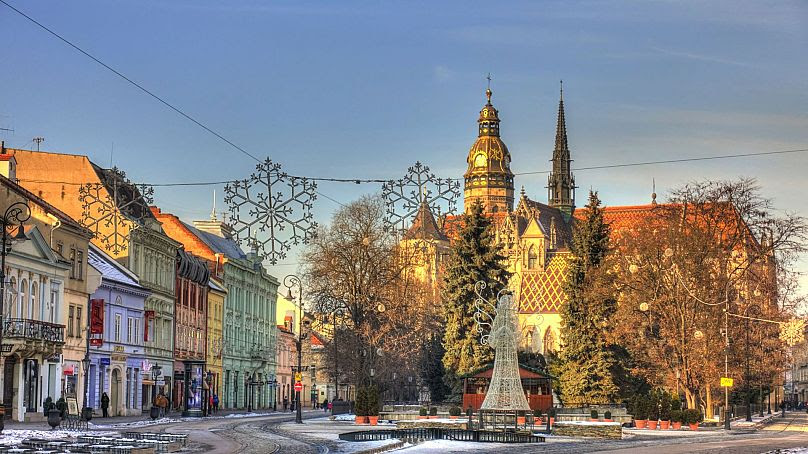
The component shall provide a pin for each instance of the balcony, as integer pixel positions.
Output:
(262, 354)
(28, 337)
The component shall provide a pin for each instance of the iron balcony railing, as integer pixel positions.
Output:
(23, 328)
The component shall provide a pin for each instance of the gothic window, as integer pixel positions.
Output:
(532, 258)
(549, 341)
(527, 340)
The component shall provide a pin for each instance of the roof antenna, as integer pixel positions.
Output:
(653, 191)
(38, 140)
(111, 151)
(213, 211)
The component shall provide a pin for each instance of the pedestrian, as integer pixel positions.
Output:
(162, 403)
(215, 403)
(325, 405)
(285, 403)
(210, 404)
(105, 404)
(330, 406)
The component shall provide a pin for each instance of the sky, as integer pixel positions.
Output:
(365, 89)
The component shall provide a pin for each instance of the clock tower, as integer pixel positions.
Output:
(489, 178)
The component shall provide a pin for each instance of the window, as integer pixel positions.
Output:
(79, 322)
(117, 327)
(130, 329)
(549, 341)
(70, 321)
(72, 263)
(136, 337)
(32, 301)
(54, 303)
(22, 298)
(80, 265)
(59, 248)
(150, 329)
(532, 258)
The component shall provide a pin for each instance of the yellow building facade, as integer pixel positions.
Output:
(217, 293)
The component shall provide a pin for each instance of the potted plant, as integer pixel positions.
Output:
(664, 412)
(154, 412)
(520, 418)
(61, 405)
(422, 413)
(537, 415)
(54, 417)
(676, 419)
(640, 412)
(693, 417)
(551, 413)
(47, 405)
(454, 412)
(433, 412)
(653, 414)
(87, 413)
(373, 405)
(593, 415)
(361, 407)
(607, 416)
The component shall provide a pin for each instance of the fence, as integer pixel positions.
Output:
(438, 433)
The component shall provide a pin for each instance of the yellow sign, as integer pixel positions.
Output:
(726, 382)
(298, 376)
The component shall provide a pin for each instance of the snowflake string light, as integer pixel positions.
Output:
(792, 332)
(271, 200)
(114, 209)
(404, 197)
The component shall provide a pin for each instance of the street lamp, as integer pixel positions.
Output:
(16, 213)
(750, 308)
(294, 281)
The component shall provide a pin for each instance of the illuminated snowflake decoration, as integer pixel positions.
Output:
(112, 211)
(792, 332)
(404, 197)
(271, 211)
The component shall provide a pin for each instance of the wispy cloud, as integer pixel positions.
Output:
(699, 57)
(442, 73)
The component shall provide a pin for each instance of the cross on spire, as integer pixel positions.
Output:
(488, 90)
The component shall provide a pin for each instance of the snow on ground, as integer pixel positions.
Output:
(156, 422)
(803, 450)
(451, 446)
(590, 423)
(345, 417)
(16, 436)
(441, 420)
(348, 447)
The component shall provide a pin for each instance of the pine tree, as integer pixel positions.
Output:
(432, 370)
(475, 257)
(587, 360)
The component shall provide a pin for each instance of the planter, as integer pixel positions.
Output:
(694, 426)
(433, 417)
(676, 425)
(54, 418)
(423, 417)
(608, 420)
(594, 420)
(87, 413)
(453, 417)
(652, 425)
(664, 425)
(552, 421)
(373, 420)
(361, 420)
(154, 412)
(640, 423)
(520, 420)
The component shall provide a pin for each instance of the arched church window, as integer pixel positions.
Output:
(553, 234)
(532, 258)
(479, 160)
(22, 299)
(549, 341)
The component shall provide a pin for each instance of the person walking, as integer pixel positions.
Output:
(325, 405)
(105, 405)
(215, 403)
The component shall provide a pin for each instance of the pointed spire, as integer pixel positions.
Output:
(653, 191)
(561, 183)
(561, 145)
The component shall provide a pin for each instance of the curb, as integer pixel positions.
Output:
(385, 448)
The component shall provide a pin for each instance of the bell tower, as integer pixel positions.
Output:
(561, 183)
(488, 178)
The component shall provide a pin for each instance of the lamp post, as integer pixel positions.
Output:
(294, 281)
(16, 213)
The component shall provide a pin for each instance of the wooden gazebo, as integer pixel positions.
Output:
(537, 386)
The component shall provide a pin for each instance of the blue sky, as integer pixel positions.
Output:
(364, 89)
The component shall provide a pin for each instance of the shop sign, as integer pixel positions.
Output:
(119, 358)
(146, 366)
(119, 348)
(104, 361)
(69, 369)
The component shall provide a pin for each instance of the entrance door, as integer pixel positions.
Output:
(114, 384)
(8, 385)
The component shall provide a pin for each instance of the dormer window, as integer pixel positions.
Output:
(532, 258)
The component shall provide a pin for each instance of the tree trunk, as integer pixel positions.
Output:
(691, 401)
(709, 409)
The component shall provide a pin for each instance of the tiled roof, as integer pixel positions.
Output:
(47, 207)
(110, 269)
(424, 226)
(225, 246)
(544, 291)
(626, 217)
(548, 216)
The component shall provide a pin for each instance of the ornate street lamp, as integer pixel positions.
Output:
(294, 281)
(16, 213)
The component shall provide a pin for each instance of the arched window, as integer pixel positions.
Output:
(549, 341)
(23, 297)
(532, 258)
(33, 301)
(527, 340)
(11, 297)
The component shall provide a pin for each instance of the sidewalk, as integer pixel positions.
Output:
(756, 423)
(132, 421)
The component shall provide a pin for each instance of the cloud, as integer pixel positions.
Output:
(699, 57)
(442, 73)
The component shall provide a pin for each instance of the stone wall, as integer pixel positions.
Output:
(594, 429)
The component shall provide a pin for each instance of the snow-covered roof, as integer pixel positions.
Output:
(109, 268)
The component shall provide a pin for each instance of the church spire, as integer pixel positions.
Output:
(561, 183)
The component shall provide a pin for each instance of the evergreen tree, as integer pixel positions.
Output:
(587, 361)
(432, 370)
(474, 257)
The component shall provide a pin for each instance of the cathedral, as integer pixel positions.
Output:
(534, 236)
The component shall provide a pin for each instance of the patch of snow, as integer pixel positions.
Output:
(16, 436)
(446, 446)
(164, 420)
(349, 447)
(440, 420)
(803, 450)
(589, 423)
(241, 415)
(345, 417)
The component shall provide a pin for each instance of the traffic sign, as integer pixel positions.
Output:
(726, 382)
(298, 377)
(298, 386)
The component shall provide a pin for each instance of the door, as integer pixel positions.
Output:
(8, 385)
(114, 384)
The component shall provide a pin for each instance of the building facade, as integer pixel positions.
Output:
(216, 297)
(117, 357)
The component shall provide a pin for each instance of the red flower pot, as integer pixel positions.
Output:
(373, 420)
(433, 417)
(361, 419)
(608, 420)
(423, 417)
(640, 423)
(664, 425)
(452, 417)
(520, 420)
(652, 425)
(676, 425)
(694, 426)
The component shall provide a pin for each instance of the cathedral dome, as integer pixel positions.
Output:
(489, 164)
